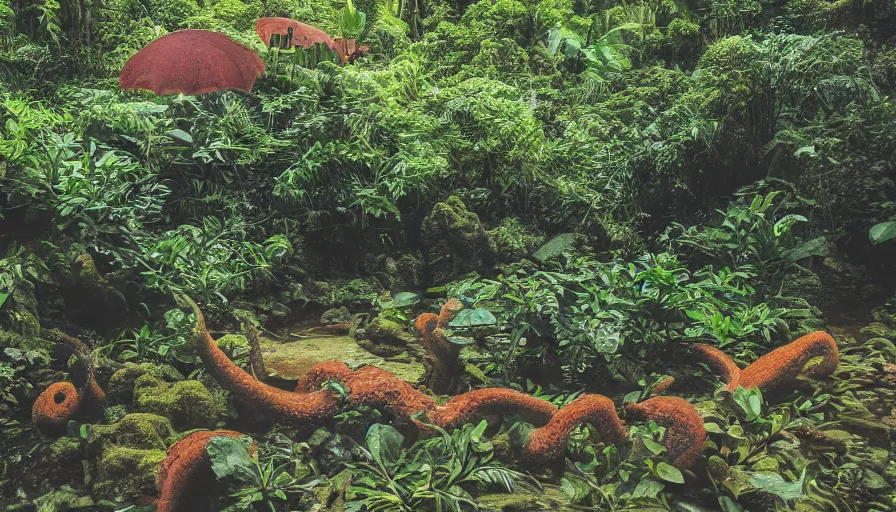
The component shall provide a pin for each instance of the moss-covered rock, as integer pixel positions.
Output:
(123, 458)
(383, 337)
(188, 404)
(455, 241)
(64, 451)
(335, 293)
(292, 359)
(128, 474)
(395, 273)
(141, 431)
(91, 299)
(806, 285)
(340, 315)
(878, 330)
(121, 385)
(63, 499)
(514, 240)
(145, 431)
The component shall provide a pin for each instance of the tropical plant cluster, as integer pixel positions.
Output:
(598, 183)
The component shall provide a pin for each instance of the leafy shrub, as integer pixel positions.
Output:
(588, 312)
(269, 478)
(434, 474)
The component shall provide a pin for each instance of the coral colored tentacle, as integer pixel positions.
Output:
(442, 355)
(685, 432)
(185, 460)
(781, 367)
(321, 372)
(449, 310)
(549, 442)
(62, 400)
(311, 408)
(720, 362)
(482, 402)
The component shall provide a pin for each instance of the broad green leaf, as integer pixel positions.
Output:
(3, 297)
(473, 318)
(669, 473)
(384, 443)
(783, 225)
(461, 340)
(882, 232)
(805, 150)
(403, 299)
(647, 488)
(230, 458)
(575, 489)
(729, 505)
(714, 428)
(815, 247)
(180, 136)
(775, 484)
(654, 446)
(555, 246)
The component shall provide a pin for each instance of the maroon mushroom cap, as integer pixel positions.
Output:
(303, 35)
(192, 62)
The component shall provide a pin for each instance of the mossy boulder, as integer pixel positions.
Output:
(64, 451)
(121, 385)
(333, 294)
(383, 337)
(145, 431)
(290, 360)
(91, 299)
(395, 272)
(128, 474)
(878, 330)
(455, 241)
(514, 240)
(340, 315)
(807, 285)
(63, 499)
(188, 404)
(126, 456)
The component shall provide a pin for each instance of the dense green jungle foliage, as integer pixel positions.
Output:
(595, 181)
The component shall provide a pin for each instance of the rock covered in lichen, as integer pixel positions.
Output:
(383, 337)
(188, 404)
(455, 241)
(128, 474)
(340, 315)
(125, 456)
(514, 240)
(121, 384)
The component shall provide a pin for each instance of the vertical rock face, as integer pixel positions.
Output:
(455, 241)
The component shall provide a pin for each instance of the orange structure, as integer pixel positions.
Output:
(685, 433)
(183, 468)
(191, 62)
(442, 355)
(780, 368)
(720, 362)
(549, 442)
(62, 400)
